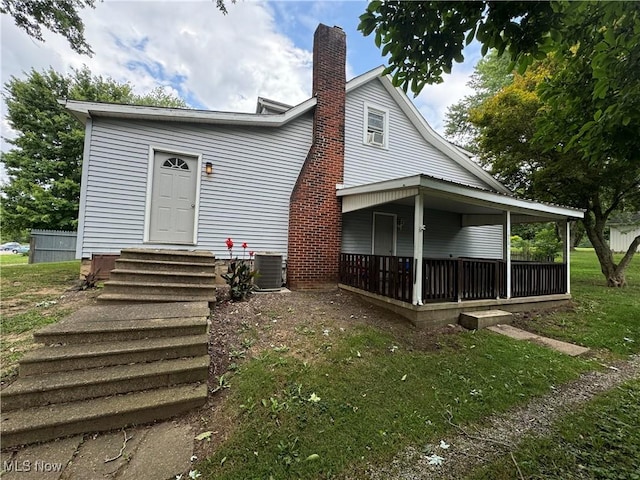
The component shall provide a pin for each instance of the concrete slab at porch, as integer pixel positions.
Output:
(431, 315)
(558, 345)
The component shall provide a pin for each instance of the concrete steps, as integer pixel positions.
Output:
(100, 414)
(81, 356)
(108, 366)
(484, 319)
(62, 387)
(153, 275)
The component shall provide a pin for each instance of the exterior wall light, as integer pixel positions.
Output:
(208, 168)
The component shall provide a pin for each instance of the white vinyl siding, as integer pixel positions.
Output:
(407, 152)
(246, 198)
(443, 237)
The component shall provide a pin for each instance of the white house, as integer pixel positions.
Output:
(352, 186)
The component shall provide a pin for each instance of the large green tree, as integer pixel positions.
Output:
(44, 166)
(586, 133)
(490, 75)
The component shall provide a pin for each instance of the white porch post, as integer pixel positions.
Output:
(418, 237)
(507, 249)
(566, 252)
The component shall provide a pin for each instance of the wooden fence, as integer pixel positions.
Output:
(52, 246)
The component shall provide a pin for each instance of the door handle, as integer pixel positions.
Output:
(193, 205)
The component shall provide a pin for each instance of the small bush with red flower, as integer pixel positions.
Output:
(240, 273)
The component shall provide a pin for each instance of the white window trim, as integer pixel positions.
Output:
(365, 124)
(147, 208)
(395, 232)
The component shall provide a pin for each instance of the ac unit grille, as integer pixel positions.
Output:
(269, 267)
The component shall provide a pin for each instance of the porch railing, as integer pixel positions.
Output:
(530, 279)
(384, 275)
(450, 279)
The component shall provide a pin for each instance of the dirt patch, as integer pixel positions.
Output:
(44, 302)
(268, 321)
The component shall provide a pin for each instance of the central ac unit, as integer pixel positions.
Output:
(269, 267)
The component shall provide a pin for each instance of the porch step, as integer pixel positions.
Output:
(76, 357)
(150, 288)
(101, 414)
(484, 319)
(128, 298)
(160, 265)
(101, 331)
(63, 387)
(186, 256)
(154, 275)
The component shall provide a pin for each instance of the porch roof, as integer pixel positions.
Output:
(477, 206)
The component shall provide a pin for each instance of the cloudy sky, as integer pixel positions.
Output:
(211, 60)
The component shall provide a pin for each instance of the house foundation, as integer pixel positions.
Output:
(433, 315)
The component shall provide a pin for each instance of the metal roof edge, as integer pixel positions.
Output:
(84, 110)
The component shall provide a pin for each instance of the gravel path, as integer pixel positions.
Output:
(472, 448)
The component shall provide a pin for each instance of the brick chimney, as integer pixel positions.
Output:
(315, 212)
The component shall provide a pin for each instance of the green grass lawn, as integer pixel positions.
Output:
(11, 259)
(358, 396)
(366, 396)
(601, 440)
(603, 318)
(361, 399)
(30, 299)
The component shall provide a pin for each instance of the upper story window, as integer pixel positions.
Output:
(376, 126)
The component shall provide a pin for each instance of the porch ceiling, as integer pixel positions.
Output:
(477, 206)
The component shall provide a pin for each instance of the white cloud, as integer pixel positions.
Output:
(434, 100)
(211, 60)
(214, 61)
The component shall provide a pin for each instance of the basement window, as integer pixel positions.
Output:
(376, 121)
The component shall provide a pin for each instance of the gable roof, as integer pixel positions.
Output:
(84, 110)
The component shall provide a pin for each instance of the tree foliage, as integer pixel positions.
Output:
(423, 39)
(490, 75)
(44, 166)
(59, 16)
(524, 132)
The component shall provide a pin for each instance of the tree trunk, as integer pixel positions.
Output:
(577, 232)
(594, 224)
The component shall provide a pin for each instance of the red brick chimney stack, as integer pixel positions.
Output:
(315, 213)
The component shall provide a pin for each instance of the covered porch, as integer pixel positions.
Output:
(421, 244)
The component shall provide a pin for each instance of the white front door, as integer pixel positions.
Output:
(384, 234)
(173, 198)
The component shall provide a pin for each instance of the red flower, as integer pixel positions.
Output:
(229, 243)
(251, 254)
(244, 245)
